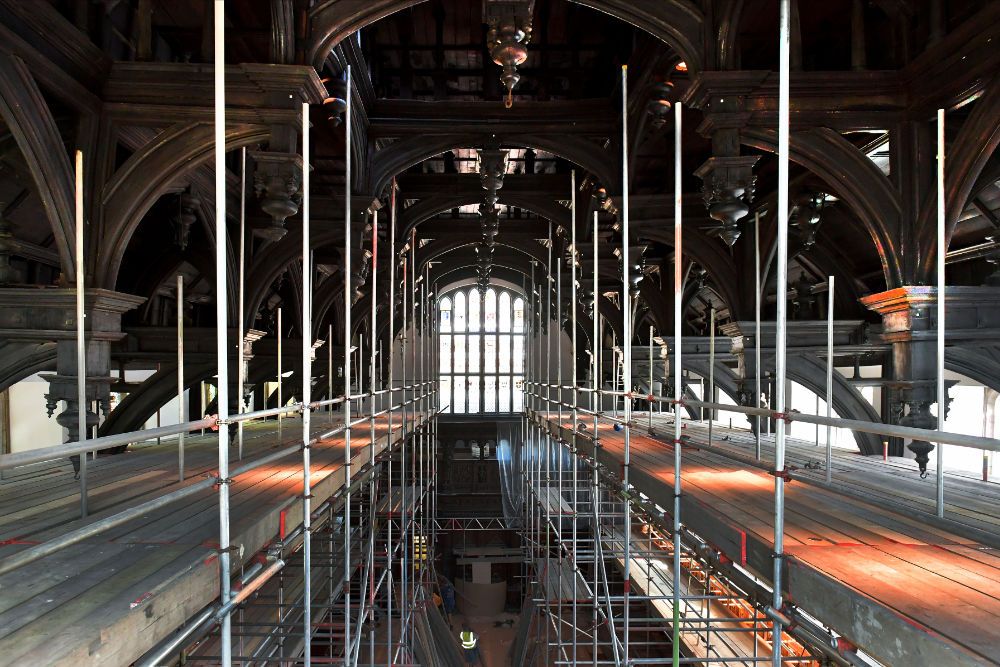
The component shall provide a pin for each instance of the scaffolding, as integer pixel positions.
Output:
(615, 579)
(670, 597)
(328, 577)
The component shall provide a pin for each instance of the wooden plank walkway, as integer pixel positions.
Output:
(906, 591)
(108, 600)
(969, 502)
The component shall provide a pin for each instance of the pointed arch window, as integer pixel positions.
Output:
(482, 350)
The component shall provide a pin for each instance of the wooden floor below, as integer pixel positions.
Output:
(907, 590)
(109, 599)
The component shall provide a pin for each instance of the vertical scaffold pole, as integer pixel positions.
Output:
(403, 525)
(573, 453)
(433, 349)
(548, 332)
(532, 342)
(649, 405)
(329, 369)
(181, 408)
(280, 379)
(306, 398)
(411, 539)
(425, 340)
(241, 366)
(942, 249)
(711, 371)
(678, 363)
(756, 335)
(627, 360)
(81, 341)
(558, 343)
(221, 321)
(558, 450)
(390, 394)
(829, 377)
(372, 358)
(548, 445)
(423, 439)
(595, 347)
(782, 282)
(614, 373)
(348, 293)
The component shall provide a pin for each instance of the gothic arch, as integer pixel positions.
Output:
(148, 174)
(431, 207)
(852, 177)
(967, 158)
(405, 153)
(678, 23)
(30, 121)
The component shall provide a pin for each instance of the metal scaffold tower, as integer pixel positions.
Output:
(619, 569)
(346, 576)
(616, 577)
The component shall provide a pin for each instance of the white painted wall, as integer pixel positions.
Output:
(30, 428)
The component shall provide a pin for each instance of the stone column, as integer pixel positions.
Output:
(909, 324)
(250, 337)
(45, 315)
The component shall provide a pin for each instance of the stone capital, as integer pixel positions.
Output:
(909, 313)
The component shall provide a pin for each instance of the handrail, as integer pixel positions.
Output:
(877, 428)
(67, 449)
(291, 408)
(36, 552)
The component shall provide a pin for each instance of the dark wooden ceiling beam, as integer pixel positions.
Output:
(958, 67)
(990, 216)
(395, 118)
(422, 186)
(523, 229)
(839, 100)
(156, 93)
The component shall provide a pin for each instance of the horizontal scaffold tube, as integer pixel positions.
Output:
(36, 552)
(958, 439)
(878, 428)
(71, 448)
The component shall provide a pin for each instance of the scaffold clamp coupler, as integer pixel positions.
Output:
(219, 481)
(788, 612)
(785, 474)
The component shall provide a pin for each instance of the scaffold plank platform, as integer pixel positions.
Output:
(109, 599)
(907, 591)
